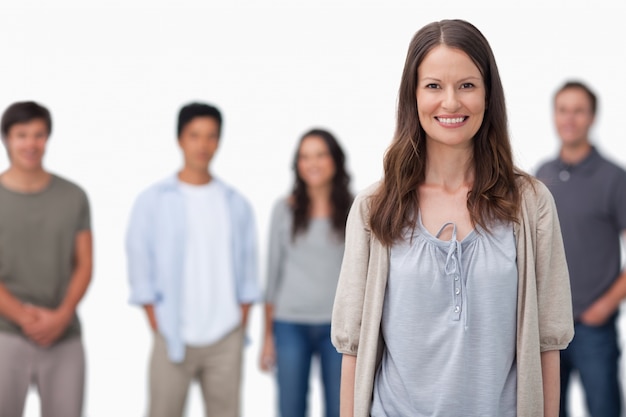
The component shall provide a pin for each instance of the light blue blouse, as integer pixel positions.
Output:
(449, 326)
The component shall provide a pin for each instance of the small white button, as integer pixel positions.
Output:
(564, 175)
(456, 277)
(457, 309)
(457, 291)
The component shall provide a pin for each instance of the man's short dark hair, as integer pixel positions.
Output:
(24, 112)
(193, 110)
(593, 100)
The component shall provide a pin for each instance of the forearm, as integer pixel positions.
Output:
(149, 309)
(606, 305)
(78, 287)
(81, 276)
(348, 366)
(11, 307)
(550, 371)
(269, 320)
(617, 292)
(245, 312)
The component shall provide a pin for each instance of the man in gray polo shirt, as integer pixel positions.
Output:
(590, 195)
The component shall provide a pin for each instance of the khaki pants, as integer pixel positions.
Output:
(216, 367)
(58, 372)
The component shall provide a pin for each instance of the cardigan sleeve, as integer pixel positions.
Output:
(554, 300)
(349, 298)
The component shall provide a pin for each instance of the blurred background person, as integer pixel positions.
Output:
(590, 195)
(306, 244)
(192, 264)
(45, 270)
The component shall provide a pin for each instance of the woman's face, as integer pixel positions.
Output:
(315, 164)
(450, 97)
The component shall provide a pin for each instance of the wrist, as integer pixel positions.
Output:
(23, 315)
(67, 313)
(611, 303)
(22, 319)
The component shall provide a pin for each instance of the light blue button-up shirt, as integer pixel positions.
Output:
(155, 248)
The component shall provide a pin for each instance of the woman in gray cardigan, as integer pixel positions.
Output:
(453, 297)
(305, 253)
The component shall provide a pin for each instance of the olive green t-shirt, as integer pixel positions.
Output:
(37, 239)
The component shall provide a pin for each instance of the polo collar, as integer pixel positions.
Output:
(586, 165)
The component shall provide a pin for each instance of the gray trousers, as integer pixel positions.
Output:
(216, 367)
(58, 372)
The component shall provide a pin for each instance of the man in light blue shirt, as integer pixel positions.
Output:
(192, 263)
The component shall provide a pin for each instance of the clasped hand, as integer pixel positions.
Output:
(44, 326)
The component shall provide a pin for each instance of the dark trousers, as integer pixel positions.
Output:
(594, 353)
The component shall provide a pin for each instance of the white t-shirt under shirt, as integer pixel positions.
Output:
(209, 309)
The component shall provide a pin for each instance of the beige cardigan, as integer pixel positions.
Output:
(544, 309)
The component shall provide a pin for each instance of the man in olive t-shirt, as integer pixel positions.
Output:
(45, 269)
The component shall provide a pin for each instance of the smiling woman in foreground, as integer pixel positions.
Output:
(454, 296)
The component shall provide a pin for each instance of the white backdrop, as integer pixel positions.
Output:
(114, 74)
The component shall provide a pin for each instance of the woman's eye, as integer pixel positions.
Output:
(467, 85)
(432, 86)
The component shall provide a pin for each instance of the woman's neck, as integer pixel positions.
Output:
(319, 198)
(449, 168)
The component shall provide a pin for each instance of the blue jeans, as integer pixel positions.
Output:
(594, 353)
(295, 346)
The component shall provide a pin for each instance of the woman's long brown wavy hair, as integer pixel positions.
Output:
(495, 193)
(340, 195)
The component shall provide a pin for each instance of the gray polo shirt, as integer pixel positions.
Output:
(591, 203)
